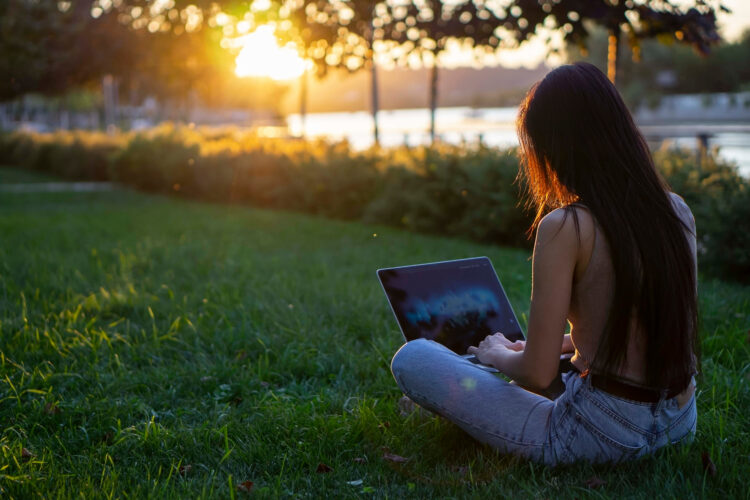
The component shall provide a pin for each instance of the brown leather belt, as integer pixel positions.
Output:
(628, 391)
(624, 390)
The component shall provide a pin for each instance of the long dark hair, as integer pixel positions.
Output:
(579, 144)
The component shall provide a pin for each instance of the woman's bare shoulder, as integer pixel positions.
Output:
(569, 230)
(573, 220)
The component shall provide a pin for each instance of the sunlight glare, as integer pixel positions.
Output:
(261, 55)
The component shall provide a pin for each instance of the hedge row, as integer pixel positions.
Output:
(450, 190)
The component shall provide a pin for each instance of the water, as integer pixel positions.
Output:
(732, 146)
(494, 126)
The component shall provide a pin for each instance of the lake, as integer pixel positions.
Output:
(495, 127)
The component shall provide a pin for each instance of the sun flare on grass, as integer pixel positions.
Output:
(261, 55)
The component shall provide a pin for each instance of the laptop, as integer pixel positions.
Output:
(456, 303)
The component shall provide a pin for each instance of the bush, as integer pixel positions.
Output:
(317, 178)
(707, 185)
(727, 246)
(72, 155)
(718, 196)
(156, 162)
(451, 190)
(456, 191)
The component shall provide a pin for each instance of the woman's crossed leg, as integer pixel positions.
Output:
(493, 411)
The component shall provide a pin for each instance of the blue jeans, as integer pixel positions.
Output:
(583, 423)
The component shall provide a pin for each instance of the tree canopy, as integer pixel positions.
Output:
(47, 49)
(50, 46)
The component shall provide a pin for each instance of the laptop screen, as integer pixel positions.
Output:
(456, 303)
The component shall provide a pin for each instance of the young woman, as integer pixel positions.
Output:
(615, 256)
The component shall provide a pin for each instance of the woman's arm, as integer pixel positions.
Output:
(567, 345)
(554, 261)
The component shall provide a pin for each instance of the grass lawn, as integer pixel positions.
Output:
(18, 176)
(154, 347)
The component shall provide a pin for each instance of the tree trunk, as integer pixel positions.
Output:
(303, 103)
(374, 85)
(375, 103)
(109, 91)
(132, 102)
(433, 98)
(613, 50)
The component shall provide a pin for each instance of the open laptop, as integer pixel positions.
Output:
(456, 303)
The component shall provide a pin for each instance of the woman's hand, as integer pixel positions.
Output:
(493, 348)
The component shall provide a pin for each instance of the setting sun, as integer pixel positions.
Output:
(261, 55)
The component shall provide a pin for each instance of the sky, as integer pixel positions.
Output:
(739, 20)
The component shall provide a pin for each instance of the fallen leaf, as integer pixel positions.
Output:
(708, 464)
(26, 455)
(245, 486)
(359, 460)
(356, 482)
(184, 469)
(384, 425)
(595, 482)
(323, 468)
(392, 457)
(51, 409)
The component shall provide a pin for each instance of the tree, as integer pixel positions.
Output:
(54, 45)
(349, 30)
(332, 34)
(428, 25)
(695, 26)
(670, 67)
(46, 49)
(315, 42)
(51, 48)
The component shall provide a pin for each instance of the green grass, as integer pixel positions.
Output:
(16, 175)
(142, 334)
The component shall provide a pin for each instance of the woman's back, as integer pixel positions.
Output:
(593, 291)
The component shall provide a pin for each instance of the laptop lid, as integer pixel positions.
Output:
(456, 303)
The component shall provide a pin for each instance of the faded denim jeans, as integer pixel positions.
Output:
(583, 423)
